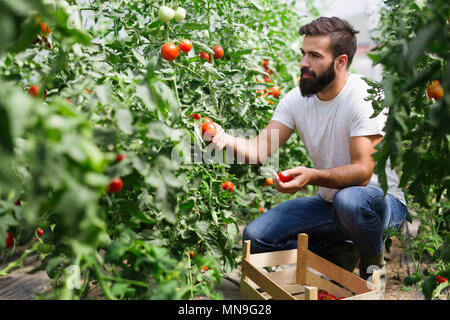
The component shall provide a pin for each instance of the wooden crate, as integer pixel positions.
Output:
(304, 274)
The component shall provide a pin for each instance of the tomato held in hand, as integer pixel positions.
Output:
(208, 130)
(435, 90)
(115, 185)
(218, 52)
(228, 185)
(206, 120)
(169, 51)
(9, 240)
(283, 177)
(186, 45)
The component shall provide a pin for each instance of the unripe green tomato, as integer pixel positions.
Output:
(165, 14)
(180, 14)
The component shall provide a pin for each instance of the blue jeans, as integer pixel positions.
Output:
(359, 214)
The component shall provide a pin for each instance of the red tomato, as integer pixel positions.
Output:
(34, 90)
(204, 268)
(69, 100)
(43, 27)
(207, 120)
(275, 91)
(440, 279)
(115, 185)
(260, 93)
(195, 116)
(208, 129)
(9, 240)
(40, 232)
(267, 79)
(261, 209)
(284, 178)
(186, 45)
(435, 91)
(269, 181)
(204, 55)
(218, 52)
(228, 185)
(169, 51)
(191, 254)
(120, 157)
(265, 63)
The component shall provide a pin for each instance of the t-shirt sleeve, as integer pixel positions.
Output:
(283, 112)
(363, 125)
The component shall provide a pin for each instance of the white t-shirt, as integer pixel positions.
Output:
(325, 128)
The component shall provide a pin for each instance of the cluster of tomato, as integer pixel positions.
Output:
(44, 34)
(169, 51)
(324, 295)
(9, 241)
(274, 91)
(435, 90)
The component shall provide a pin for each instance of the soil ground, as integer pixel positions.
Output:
(19, 285)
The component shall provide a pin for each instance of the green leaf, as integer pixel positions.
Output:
(124, 121)
(196, 26)
(202, 47)
(421, 42)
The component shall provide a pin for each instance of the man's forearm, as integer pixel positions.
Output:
(244, 149)
(341, 177)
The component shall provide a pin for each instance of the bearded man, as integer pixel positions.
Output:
(346, 221)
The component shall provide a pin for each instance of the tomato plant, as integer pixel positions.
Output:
(413, 50)
(112, 93)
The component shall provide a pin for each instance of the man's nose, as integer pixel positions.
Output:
(304, 63)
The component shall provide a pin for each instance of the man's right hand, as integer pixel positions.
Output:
(221, 138)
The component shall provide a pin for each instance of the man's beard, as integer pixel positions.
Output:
(312, 86)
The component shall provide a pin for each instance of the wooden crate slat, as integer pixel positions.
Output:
(336, 273)
(313, 279)
(268, 259)
(372, 295)
(282, 277)
(302, 249)
(265, 283)
(250, 293)
(294, 288)
(311, 293)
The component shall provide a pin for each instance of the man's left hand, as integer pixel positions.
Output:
(301, 177)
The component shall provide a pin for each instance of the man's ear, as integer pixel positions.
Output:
(341, 61)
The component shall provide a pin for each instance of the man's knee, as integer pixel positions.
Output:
(353, 205)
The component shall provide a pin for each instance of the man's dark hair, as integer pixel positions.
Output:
(342, 35)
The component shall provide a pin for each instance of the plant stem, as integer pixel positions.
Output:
(100, 277)
(19, 261)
